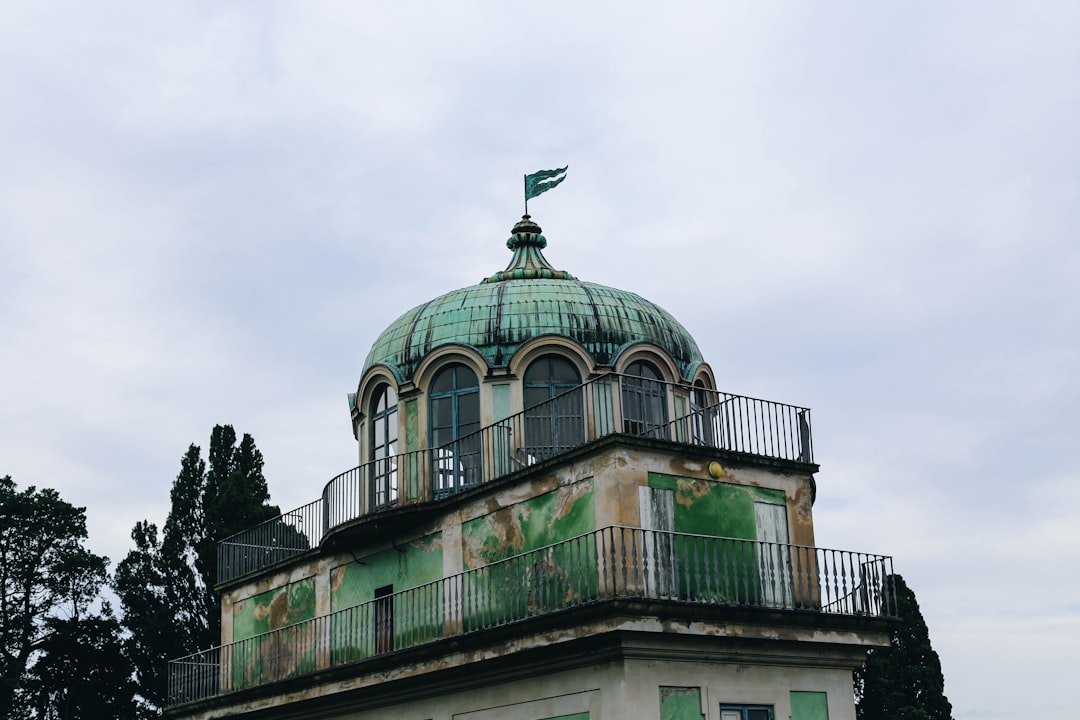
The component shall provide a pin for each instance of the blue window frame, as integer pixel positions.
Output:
(703, 418)
(454, 414)
(746, 712)
(383, 440)
(644, 401)
(554, 419)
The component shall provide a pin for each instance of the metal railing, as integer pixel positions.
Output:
(609, 404)
(613, 562)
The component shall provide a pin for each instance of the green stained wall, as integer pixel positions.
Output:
(412, 470)
(566, 512)
(409, 565)
(274, 609)
(680, 703)
(360, 626)
(500, 402)
(703, 507)
(680, 412)
(262, 658)
(412, 425)
(809, 705)
(537, 580)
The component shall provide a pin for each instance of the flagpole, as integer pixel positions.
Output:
(525, 179)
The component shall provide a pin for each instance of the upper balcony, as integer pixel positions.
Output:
(608, 405)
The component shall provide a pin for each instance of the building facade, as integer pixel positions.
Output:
(557, 515)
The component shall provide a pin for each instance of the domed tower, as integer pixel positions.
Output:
(556, 515)
(523, 336)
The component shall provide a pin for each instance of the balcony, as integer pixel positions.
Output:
(608, 405)
(603, 566)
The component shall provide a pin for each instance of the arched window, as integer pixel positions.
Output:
(554, 421)
(703, 418)
(644, 401)
(382, 439)
(455, 418)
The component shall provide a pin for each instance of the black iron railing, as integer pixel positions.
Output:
(609, 404)
(613, 562)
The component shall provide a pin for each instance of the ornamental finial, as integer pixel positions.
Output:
(528, 262)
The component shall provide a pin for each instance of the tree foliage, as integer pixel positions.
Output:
(902, 681)
(166, 587)
(82, 672)
(49, 634)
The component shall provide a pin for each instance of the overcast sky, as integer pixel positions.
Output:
(209, 211)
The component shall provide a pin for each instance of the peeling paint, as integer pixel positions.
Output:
(412, 564)
(705, 507)
(563, 513)
(274, 609)
(680, 703)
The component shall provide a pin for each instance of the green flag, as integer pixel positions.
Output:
(542, 181)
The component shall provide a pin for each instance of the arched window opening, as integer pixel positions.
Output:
(704, 421)
(644, 401)
(554, 418)
(457, 458)
(383, 441)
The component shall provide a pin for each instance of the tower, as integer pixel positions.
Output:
(556, 514)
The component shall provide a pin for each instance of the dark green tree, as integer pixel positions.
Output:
(166, 588)
(48, 583)
(902, 681)
(81, 674)
(164, 613)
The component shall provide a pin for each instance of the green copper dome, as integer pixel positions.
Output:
(527, 300)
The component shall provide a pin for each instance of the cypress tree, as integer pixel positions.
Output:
(166, 589)
(902, 681)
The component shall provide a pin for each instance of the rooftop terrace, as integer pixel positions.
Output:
(608, 405)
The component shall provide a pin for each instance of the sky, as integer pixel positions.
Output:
(210, 210)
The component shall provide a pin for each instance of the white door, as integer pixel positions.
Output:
(774, 557)
(657, 508)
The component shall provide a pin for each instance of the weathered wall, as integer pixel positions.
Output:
(680, 703)
(718, 509)
(274, 609)
(638, 688)
(565, 512)
(406, 566)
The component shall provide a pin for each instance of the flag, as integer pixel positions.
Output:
(543, 181)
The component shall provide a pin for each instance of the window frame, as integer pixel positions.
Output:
(382, 457)
(744, 710)
(558, 421)
(639, 395)
(455, 464)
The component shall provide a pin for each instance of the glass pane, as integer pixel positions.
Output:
(563, 372)
(468, 409)
(466, 378)
(538, 373)
(442, 412)
(391, 426)
(380, 434)
(444, 380)
(391, 396)
(757, 714)
(642, 369)
(535, 396)
(442, 436)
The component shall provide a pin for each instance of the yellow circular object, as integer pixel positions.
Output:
(715, 469)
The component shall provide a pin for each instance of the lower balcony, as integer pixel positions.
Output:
(603, 566)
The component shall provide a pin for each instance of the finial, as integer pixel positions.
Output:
(528, 262)
(526, 225)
